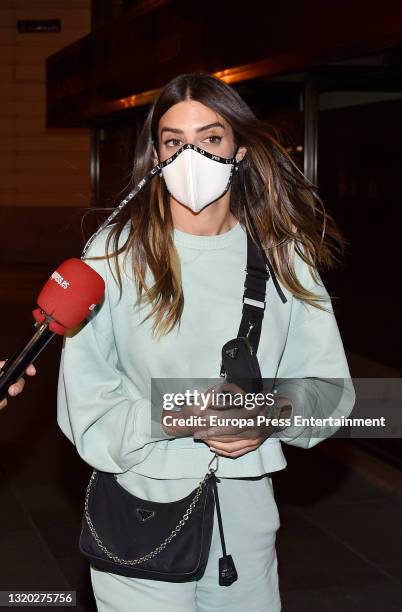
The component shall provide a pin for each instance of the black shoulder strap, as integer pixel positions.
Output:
(257, 276)
(259, 270)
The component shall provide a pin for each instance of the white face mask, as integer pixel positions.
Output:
(196, 178)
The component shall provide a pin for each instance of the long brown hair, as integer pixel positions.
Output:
(287, 212)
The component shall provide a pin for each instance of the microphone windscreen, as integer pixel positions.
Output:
(71, 293)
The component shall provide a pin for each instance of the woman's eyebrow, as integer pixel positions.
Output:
(201, 129)
(211, 125)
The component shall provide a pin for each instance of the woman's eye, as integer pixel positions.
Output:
(214, 139)
(172, 142)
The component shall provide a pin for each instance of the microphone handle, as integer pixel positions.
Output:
(17, 364)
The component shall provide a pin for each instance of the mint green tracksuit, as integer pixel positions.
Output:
(104, 408)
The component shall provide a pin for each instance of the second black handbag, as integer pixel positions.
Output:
(126, 535)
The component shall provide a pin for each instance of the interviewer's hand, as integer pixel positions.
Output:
(19, 385)
(229, 440)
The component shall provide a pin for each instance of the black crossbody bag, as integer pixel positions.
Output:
(124, 534)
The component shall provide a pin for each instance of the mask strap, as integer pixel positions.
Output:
(266, 260)
(236, 162)
(147, 178)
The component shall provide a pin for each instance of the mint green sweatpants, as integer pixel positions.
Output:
(250, 521)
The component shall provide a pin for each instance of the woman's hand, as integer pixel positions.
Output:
(199, 416)
(230, 440)
(189, 412)
(17, 387)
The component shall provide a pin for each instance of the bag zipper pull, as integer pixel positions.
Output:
(227, 569)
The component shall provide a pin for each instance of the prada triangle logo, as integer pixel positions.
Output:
(232, 352)
(145, 515)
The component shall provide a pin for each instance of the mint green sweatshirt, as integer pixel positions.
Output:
(106, 367)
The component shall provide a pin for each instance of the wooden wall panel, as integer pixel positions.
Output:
(44, 173)
(22, 105)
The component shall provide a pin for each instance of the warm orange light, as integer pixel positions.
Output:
(138, 99)
(229, 75)
(245, 72)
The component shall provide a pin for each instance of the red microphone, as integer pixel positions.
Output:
(67, 298)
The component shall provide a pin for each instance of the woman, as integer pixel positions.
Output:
(181, 249)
